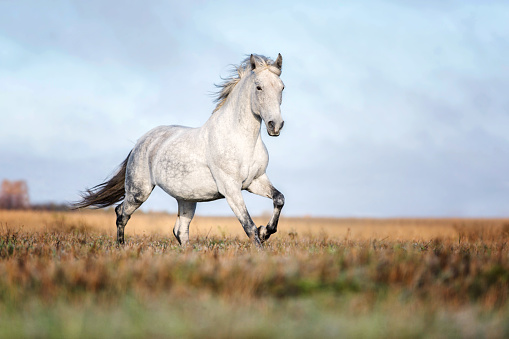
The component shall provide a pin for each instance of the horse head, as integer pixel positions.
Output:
(266, 92)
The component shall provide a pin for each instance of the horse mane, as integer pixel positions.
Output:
(237, 73)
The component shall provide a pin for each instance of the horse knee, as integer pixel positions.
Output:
(279, 200)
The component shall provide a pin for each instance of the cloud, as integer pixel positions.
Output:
(390, 108)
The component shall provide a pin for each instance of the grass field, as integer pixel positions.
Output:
(62, 275)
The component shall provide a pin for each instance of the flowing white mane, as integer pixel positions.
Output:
(238, 72)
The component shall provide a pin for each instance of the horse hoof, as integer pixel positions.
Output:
(258, 243)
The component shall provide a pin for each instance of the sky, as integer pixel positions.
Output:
(391, 108)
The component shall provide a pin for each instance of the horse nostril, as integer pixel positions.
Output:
(271, 124)
(282, 124)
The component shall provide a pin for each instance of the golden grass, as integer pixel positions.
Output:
(62, 274)
(341, 228)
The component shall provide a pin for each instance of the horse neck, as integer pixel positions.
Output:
(237, 111)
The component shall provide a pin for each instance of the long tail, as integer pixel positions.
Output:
(107, 193)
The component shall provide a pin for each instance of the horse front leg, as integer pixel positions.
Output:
(185, 214)
(263, 187)
(232, 192)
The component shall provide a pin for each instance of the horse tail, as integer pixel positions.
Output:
(107, 193)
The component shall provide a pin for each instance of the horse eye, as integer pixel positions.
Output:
(258, 88)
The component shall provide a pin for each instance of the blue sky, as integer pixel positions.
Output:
(393, 108)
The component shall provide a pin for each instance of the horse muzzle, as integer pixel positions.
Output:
(274, 128)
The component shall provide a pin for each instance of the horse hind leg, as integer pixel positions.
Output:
(185, 214)
(122, 220)
(131, 203)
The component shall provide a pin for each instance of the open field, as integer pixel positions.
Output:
(61, 274)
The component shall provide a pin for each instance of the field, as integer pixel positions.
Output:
(62, 275)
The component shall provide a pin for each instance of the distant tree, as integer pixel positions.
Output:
(50, 206)
(14, 195)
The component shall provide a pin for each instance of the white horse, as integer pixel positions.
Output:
(217, 160)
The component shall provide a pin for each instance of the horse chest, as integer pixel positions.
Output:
(251, 169)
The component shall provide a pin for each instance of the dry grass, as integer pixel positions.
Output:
(162, 224)
(315, 277)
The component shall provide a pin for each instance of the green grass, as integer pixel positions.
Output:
(319, 315)
(77, 283)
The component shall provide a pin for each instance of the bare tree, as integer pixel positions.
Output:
(14, 195)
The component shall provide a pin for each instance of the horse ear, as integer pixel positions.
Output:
(253, 62)
(279, 61)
